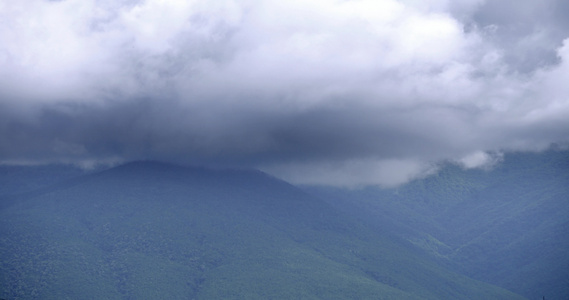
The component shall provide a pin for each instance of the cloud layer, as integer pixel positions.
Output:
(320, 91)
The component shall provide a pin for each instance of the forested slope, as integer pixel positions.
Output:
(155, 231)
(508, 225)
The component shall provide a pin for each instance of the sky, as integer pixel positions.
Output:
(334, 92)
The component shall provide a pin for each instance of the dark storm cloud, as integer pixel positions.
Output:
(332, 92)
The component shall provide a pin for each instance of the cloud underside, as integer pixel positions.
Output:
(320, 92)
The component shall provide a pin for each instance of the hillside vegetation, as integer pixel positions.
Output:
(507, 226)
(156, 231)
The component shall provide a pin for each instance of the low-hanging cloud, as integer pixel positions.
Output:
(320, 91)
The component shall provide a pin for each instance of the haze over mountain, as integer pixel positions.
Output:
(420, 149)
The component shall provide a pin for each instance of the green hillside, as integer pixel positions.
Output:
(508, 226)
(155, 231)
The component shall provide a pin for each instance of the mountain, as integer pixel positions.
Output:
(148, 230)
(18, 179)
(508, 226)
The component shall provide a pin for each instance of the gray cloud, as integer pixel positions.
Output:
(326, 92)
(527, 33)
